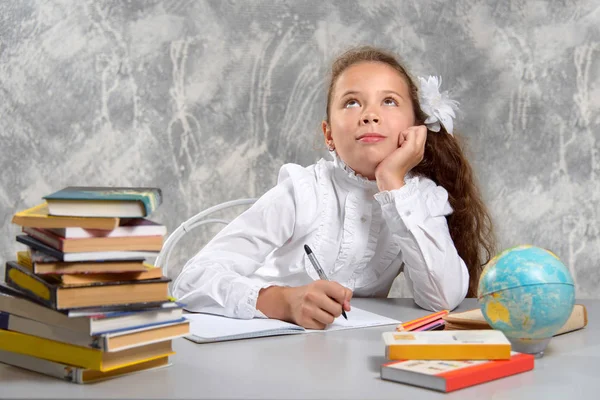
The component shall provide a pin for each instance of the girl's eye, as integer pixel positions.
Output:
(390, 102)
(351, 103)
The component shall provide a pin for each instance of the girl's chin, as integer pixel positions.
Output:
(367, 171)
(365, 163)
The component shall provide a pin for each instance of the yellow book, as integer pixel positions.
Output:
(73, 374)
(38, 217)
(81, 356)
(447, 345)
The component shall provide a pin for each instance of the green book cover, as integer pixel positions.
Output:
(151, 198)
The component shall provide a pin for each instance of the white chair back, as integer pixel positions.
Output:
(162, 261)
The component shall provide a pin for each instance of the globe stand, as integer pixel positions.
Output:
(535, 347)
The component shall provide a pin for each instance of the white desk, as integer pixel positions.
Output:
(340, 365)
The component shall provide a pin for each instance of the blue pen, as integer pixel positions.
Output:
(315, 263)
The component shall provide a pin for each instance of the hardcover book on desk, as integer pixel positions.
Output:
(96, 201)
(110, 255)
(449, 375)
(447, 345)
(39, 217)
(127, 227)
(74, 374)
(73, 245)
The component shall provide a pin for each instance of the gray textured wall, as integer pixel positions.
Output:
(206, 99)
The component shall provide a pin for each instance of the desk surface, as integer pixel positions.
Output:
(341, 365)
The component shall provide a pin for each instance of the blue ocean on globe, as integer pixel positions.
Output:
(527, 293)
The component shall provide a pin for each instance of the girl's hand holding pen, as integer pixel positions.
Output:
(317, 304)
(312, 306)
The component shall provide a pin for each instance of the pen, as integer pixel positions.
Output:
(315, 263)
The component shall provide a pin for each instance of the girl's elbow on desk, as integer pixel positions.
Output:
(445, 300)
(436, 306)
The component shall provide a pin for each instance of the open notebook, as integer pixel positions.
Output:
(207, 328)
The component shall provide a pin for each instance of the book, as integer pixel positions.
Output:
(86, 279)
(59, 297)
(89, 321)
(39, 217)
(142, 243)
(73, 374)
(473, 319)
(98, 201)
(122, 308)
(127, 227)
(113, 341)
(24, 258)
(58, 255)
(447, 345)
(448, 376)
(207, 328)
(80, 356)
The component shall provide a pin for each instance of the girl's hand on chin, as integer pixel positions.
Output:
(411, 146)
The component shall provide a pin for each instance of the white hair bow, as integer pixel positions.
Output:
(438, 106)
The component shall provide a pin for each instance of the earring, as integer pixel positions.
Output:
(330, 146)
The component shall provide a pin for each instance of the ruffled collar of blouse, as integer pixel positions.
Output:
(352, 175)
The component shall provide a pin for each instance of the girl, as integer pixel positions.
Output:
(398, 196)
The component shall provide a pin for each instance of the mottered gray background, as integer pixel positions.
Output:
(207, 99)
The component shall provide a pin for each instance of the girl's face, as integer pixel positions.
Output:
(369, 108)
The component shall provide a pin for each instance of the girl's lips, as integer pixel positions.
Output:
(371, 138)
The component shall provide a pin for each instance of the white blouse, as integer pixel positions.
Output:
(362, 238)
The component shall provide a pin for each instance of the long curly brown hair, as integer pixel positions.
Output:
(444, 162)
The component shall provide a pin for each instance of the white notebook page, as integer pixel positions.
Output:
(214, 328)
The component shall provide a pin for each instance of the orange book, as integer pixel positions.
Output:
(83, 279)
(447, 376)
(24, 258)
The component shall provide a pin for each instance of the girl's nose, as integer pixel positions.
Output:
(370, 118)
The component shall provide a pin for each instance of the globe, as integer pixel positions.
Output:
(527, 293)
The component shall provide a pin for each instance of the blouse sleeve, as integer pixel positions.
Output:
(217, 280)
(416, 215)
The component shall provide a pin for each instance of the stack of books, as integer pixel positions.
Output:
(82, 302)
(450, 360)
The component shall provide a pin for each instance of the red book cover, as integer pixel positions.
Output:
(448, 376)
